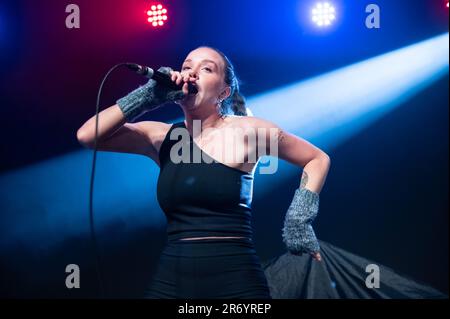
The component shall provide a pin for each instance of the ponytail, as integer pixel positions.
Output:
(238, 104)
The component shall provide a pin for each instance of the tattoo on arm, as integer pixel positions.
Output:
(281, 135)
(304, 180)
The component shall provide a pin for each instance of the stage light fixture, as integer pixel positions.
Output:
(157, 15)
(323, 14)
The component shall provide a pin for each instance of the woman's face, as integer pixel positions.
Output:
(206, 67)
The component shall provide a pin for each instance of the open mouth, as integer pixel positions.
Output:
(193, 89)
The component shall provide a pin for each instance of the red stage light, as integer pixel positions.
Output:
(157, 15)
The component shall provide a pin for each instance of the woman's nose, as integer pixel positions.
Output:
(193, 74)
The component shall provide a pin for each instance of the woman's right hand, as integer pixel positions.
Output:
(179, 78)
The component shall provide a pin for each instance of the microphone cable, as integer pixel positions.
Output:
(91, 190)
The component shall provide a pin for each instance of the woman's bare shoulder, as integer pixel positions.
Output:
(252, 122)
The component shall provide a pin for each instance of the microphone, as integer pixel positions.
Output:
(161, 78)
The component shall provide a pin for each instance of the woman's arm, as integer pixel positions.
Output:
(109, 121)
(116, 135)
(297, 151)
(298, 233)
(315, 162)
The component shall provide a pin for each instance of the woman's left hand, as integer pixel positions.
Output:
(316, 256)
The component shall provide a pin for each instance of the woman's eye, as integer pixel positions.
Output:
(207, 69)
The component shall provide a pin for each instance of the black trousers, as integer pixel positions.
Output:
(209, 269)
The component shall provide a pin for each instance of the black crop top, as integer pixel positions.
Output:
(202, 199)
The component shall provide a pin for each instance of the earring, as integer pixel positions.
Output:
(219, 107)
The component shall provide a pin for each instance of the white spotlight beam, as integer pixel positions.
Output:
(329, 109)
(349, 99)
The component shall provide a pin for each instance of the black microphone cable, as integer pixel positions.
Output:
(91, 191)
(160, 77)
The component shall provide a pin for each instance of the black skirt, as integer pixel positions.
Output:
(209, 269)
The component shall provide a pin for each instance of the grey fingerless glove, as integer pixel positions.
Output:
(298, 234)
(147, 97)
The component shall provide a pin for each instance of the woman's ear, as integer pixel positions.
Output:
(225, 93)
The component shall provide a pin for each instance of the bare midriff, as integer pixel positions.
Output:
(196, 238)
